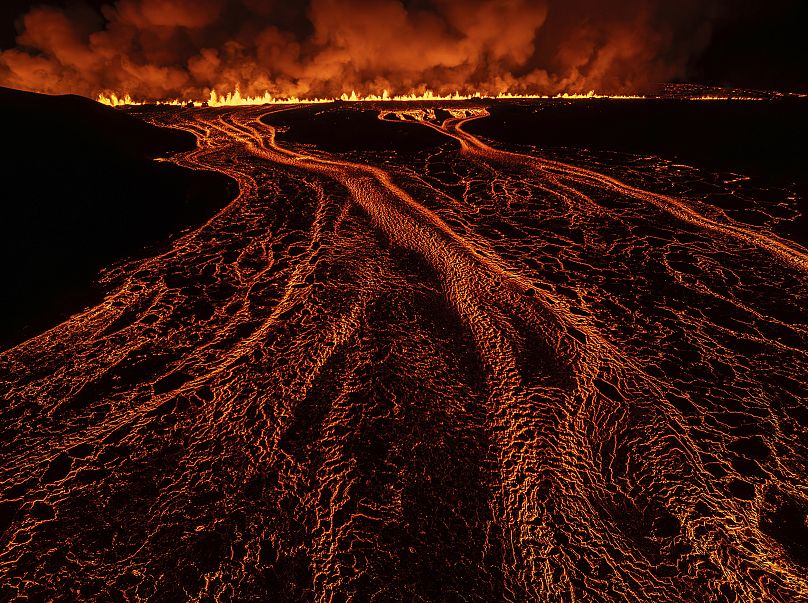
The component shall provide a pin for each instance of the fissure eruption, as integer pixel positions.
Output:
(404, 300)
(183, 49)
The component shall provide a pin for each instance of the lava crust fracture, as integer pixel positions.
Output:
(466, 372)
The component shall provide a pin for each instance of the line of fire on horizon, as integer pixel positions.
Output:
(234, 99)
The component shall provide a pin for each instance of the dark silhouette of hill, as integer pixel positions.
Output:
(81, 191)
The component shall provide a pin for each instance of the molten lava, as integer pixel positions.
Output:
(459, 371)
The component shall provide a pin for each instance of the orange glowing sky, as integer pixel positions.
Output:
(165, 49)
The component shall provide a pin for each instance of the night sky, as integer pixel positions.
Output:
(161, 49)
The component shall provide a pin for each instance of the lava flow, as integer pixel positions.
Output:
(469, 372)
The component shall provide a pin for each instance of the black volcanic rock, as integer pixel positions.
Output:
(89, 126)
(762, 139)
(341, 388)
(343, 127)
(756, 137)
(80, 191)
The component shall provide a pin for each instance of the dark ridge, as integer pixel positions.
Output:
(785, 519)
(762, 139)
(81, 192)
(344, 127)
(90, 126)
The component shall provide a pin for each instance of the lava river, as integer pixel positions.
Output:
(465, 373)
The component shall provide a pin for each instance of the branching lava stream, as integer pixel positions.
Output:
(467, 373)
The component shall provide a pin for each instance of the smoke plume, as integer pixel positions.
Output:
(159, 49)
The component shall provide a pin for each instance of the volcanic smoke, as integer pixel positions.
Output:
(164, 49)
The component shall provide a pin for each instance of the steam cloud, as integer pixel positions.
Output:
(158, 49)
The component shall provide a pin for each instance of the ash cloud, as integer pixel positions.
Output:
(159, 49)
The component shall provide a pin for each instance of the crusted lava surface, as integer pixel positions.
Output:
(423, 358)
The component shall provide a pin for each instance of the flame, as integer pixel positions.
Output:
(113, 100)
(235, 98)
